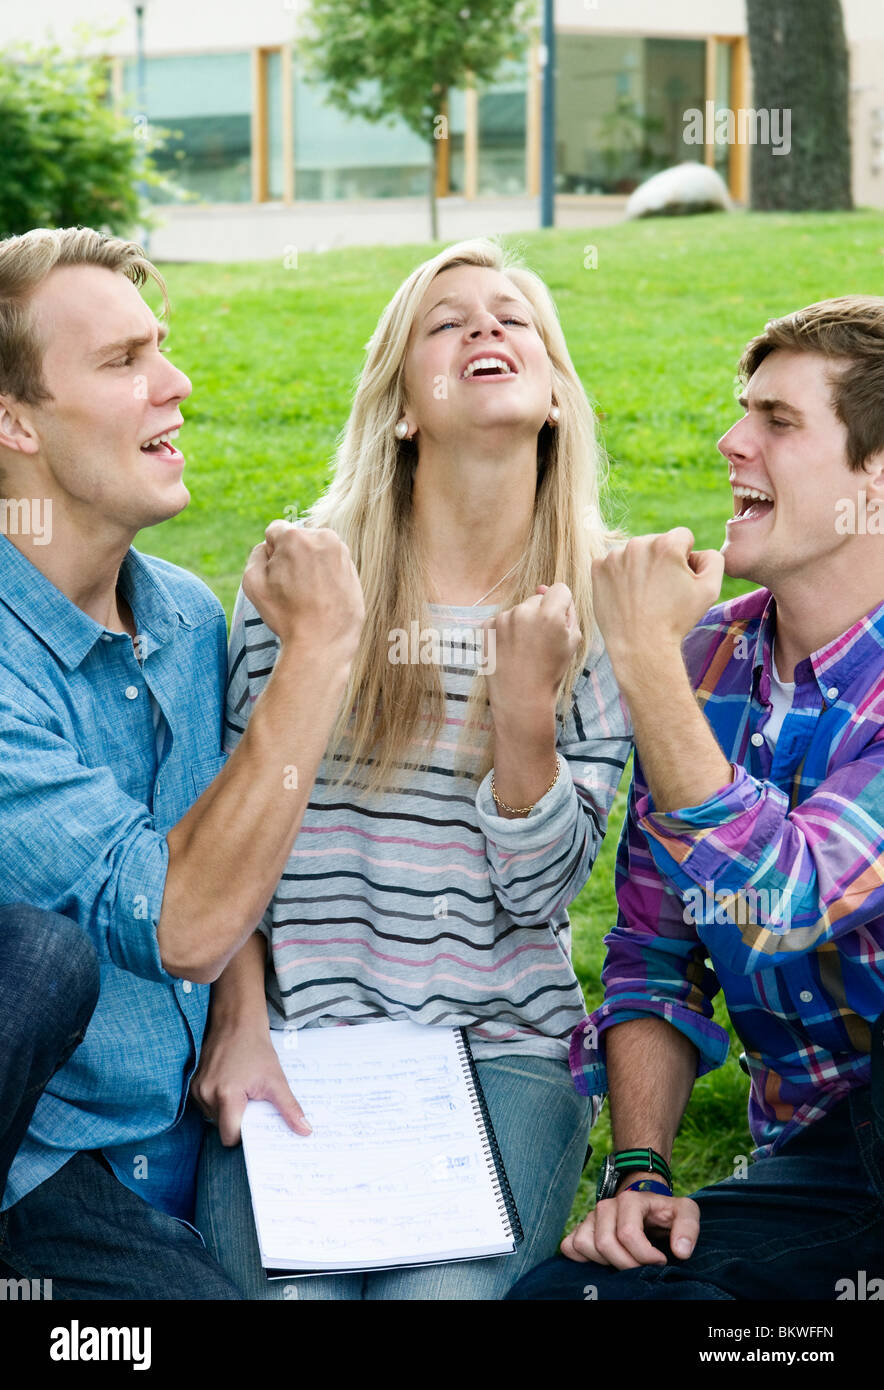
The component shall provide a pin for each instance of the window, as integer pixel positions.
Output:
(502, 117)
(723, 77)
(275, 155)
(205, 102)
(457, 124)
(620, 108)
(338, 156)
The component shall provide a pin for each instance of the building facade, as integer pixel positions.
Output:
(246, 128)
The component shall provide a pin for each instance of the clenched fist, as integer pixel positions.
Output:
(652, 591)
(305, 587)
(533, 647)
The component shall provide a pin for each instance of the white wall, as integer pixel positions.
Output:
(867, 122)
(680, 18)
(170, 26)
(863, 19)
(197, 25)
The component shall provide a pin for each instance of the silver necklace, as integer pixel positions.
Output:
(498, 584)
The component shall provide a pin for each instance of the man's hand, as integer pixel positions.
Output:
(533, 646)
(614, 1232)
(652, 591)
(647, 597)
(238, 1065)
(305, 586)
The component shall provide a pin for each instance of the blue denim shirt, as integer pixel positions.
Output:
(85, 805)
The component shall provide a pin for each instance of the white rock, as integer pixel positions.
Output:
(686, 188)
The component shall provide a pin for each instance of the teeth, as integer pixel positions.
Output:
(162, 438)
(752, 492)
(486, 363)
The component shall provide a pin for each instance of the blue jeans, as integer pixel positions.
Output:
(802, 1220)
(49, 984)
(96, 1239)
(81, 1228)
(541, 1125)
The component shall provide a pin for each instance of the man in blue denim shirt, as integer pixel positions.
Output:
(119, 819)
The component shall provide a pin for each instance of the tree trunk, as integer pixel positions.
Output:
(800, 78)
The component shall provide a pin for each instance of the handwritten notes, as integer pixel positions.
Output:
(397, 1170)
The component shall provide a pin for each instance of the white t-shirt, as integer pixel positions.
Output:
(782, 693)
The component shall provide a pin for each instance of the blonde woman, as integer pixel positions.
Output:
(465, 790)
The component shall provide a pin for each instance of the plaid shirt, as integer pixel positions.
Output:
(773, 889)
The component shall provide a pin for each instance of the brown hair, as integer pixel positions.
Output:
(850, 332)
(25, 261)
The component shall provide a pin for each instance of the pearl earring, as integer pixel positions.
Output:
(401, 429)
(554, 414)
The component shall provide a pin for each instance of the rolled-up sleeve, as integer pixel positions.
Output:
(655, 966)
(74, 842)
(768, 881)
(540, 862)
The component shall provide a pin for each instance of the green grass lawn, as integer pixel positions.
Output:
(655, 332)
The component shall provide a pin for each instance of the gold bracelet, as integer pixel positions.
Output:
(522, 810)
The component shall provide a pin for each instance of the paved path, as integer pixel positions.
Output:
(261, 232)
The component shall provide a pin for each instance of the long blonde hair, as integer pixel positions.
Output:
(368, 504)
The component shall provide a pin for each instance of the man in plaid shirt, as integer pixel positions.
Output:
(752, 859)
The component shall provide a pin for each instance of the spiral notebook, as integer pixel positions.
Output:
(402, 1167)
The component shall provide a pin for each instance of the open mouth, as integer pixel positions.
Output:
(751, 504)
(487, 367)
(162, 445)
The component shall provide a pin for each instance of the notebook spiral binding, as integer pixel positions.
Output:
(506, 1202)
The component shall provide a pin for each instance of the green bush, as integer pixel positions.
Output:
(67, 157)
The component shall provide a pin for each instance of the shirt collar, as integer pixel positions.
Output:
(66, 629)
(834, 665)
(842, 660)
(764, 648)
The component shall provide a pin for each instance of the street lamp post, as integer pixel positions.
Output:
(139, 57)
(548, 118)
(141, 97)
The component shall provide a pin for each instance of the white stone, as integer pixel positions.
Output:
(690, 187)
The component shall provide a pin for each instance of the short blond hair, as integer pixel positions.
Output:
(25, 262)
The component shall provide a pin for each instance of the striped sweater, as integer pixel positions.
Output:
(423, 903)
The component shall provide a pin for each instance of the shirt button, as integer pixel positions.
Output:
(757, 740)
(131, 692)
(186, 986)
(805, 996)
(106, 637)
(832, 692)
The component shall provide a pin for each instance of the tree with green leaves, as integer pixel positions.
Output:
(800, 65)
(383, 59)
(66, 157)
